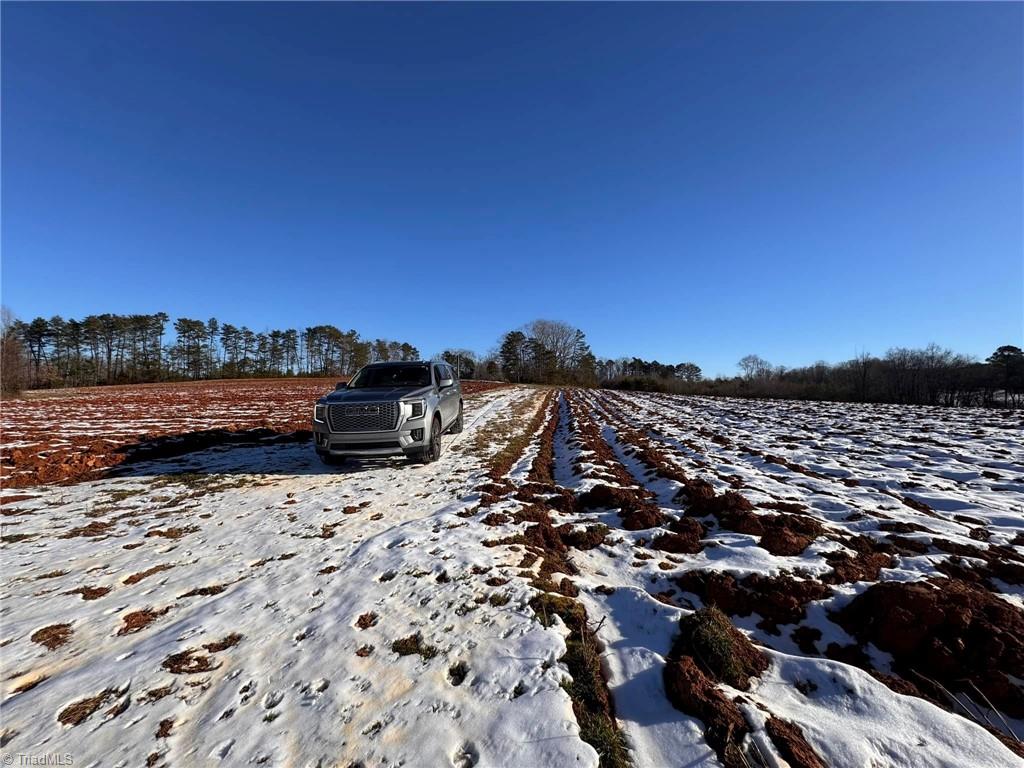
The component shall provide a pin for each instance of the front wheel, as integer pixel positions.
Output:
(433, 450)
(456, 426)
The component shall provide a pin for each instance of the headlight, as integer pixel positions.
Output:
(318, 412)
(417, 409)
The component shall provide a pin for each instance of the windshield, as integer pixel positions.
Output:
(392, 376)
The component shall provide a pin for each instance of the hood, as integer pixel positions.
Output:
(373, 394)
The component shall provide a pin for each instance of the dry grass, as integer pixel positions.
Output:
(52, 636)
(413, 644)
(135, 578)
(81, 710)
(139, 620)
(588, 690)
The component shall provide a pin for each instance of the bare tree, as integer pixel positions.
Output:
(560, 339)
(755, 368)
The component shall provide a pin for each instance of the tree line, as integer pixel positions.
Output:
(131, 349)
(110, 349)
(928, 376)
(548, 352)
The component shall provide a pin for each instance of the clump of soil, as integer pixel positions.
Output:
(724, 651)
(635, 508)
(214, 589)
(709, 649)
(865, 564)
(786, 534)
(92, 530)
(81, 710)
(228, 641)
(135, 578)
(790, 741)
(366, 620)
(139, 620)
(53, 636)
(806, 639)
(553, 496)
(155, 694)
(172, 533)
(495, 519)
(684, 539)
(701, 500)
(413, 644)
(364, 650)
(51, 575)
(949, 631)
(588, 538)
(691, 691)
(89, 593)
(188, 662)
(164, 728)
(785, 506)
(777, 599)
(457, 672)
(784, 542)
(997, 562)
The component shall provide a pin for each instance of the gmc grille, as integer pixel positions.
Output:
(363, 417)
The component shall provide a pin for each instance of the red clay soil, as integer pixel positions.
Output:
(685, 538)
(790, 741)
(591, 439)
(781, 534)
(786, 534)
(691, 691)
(777, 599)
(502, 463)
(709, 649)
(947, 631)
(74, 434)
(869, 557)
(636, 509)
(542, 469)
(582, 538)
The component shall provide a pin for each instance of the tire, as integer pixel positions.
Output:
(433, 451)
(456, 426)
(331, 461)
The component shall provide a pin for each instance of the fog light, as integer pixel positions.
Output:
(417, 435)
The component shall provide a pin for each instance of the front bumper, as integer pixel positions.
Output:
(398, 442)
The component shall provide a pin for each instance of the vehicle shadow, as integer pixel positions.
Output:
(224, 452)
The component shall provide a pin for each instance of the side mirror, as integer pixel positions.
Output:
(340, 385)
(445, 383)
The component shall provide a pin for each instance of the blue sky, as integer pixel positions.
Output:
(682, 181)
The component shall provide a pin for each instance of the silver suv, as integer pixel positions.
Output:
(389, 409)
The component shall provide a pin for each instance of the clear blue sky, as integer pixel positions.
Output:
(683, 182)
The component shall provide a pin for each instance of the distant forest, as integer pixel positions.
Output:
(929, 376)
(130, 349)
(126, 349)
(555, 353)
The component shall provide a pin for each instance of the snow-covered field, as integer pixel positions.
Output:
(76, 434)
(246, 605)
